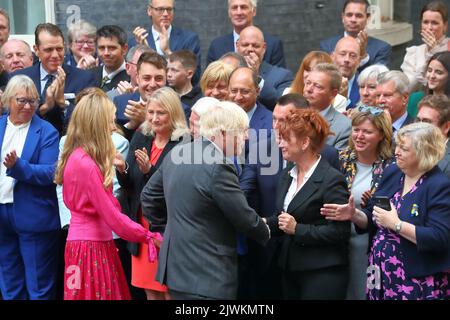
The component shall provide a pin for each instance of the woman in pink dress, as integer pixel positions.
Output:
(86, 170)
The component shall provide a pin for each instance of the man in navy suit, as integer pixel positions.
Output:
(241, 14)
(259, 181)
(112, 47)
(165, 38)
(273, 80)
(57, 84)
(346, 57)
(355, 16)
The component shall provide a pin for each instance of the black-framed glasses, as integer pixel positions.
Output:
(160, 10)
(23, 102)
(369, 109)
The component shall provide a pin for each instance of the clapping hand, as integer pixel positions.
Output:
(362, 38)
(140, 34)
(164, 39)
(135, 111)
(10, 159)
(119, 162)
(253, 62)
(142, 160)
(87, 62)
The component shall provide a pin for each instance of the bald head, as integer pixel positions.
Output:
(243, 88)
(251, 39)
(346, 56)
(16, 54)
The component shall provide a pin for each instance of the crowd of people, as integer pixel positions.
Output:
(128, 172)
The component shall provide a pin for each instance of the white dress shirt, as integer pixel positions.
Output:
(156, 39)
(112, 74)
(293, 190)
(14, 139)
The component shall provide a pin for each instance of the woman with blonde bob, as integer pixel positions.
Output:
(85, 169)
(165, 126)
(409, 257)
(214, 81)
(369, 152)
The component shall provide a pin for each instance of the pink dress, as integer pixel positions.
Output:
(92, 265)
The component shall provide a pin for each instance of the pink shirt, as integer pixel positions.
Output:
(95, 211)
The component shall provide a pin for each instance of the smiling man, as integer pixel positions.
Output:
(241, 14)
(15, 55)
(57, 84)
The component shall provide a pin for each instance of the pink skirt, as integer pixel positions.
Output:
(93, 272)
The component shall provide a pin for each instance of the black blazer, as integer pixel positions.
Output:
(317, 243)
(134, 180)
(121, 76)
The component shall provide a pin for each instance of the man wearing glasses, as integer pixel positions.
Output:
(112, 47)
(165, 38)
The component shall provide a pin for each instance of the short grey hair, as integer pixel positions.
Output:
(427, 141)
(400, 80)
(16, 84)
(225, 116)
(138, 47)
(371, 73)
(253, 3)
(81, 28)
(204, 105)
(239, 57)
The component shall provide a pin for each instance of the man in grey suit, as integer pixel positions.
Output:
(198, 187)
(435, 109)
(321, 86)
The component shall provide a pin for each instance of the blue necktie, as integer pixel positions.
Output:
(50, 79)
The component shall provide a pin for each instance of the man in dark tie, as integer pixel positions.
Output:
(56, 83)
(111, 47)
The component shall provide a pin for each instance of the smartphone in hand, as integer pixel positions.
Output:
(382, 202)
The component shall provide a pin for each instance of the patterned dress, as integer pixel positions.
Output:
(386, 277)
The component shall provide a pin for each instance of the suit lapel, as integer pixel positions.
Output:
(228, 44)
(32, 139)
(174, 39)
(3, 120)
(309, 188)
(282, 188)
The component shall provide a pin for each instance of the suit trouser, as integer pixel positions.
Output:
(28, 260)
(320, 284)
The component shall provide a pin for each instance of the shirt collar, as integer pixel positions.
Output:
(398, 123)
(20, 126)
(155, 33)
(251, 112)
(114, 73)
(44, 73)
(294, 171)
(324, 111)
(235, 38)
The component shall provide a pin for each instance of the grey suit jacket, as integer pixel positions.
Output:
(341, 126)
(205, 210)
(444, 164)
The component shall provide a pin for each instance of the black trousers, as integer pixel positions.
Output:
(321, 284)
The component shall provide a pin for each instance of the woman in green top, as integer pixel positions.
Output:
(437, 72)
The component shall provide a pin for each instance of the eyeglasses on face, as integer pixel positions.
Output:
(369, 109)
(23, 102)
(160, 10)
(89, 43)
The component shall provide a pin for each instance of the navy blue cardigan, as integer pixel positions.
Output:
(432, 252)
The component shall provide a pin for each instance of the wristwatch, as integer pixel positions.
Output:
(398, 227)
